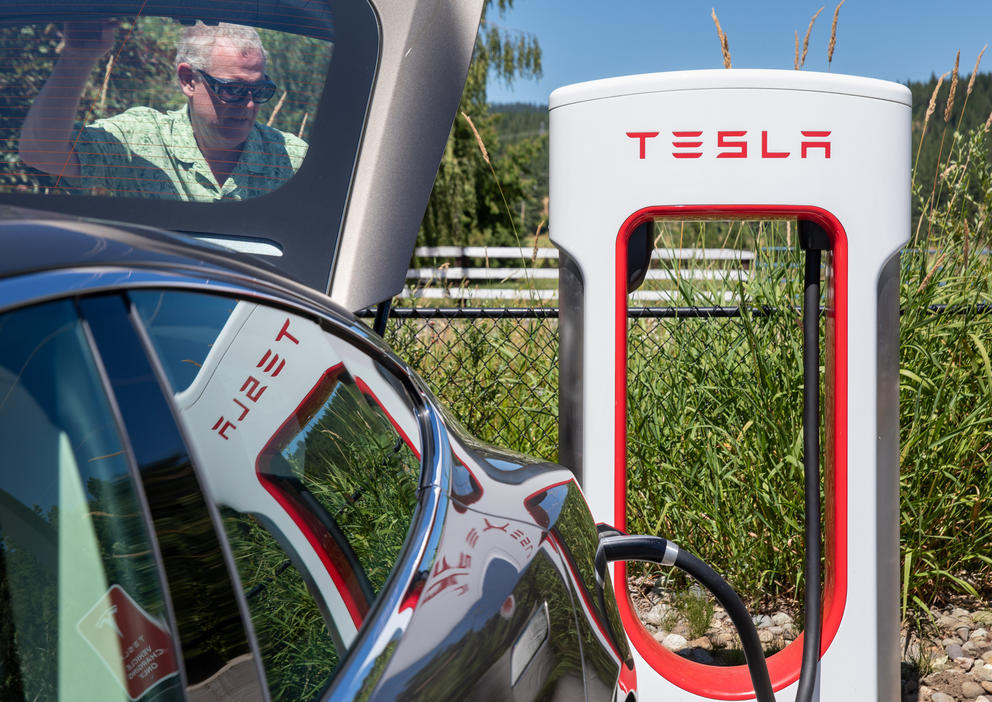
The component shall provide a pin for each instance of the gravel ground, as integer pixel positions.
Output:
(950, 661)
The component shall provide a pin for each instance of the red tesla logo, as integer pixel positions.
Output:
(732, 143)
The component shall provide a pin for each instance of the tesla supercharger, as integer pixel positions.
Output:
(830, 150)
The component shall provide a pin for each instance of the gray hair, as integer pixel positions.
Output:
(196, 43)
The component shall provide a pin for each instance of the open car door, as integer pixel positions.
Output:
(362, 99)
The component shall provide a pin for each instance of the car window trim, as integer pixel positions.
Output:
(239, 596)
(139, 488)
(132, 323)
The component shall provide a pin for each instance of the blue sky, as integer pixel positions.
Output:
(899, 41)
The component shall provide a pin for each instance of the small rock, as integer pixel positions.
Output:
(656, 615)
(971, 649)
(790, 635)
(702, 642)
(940, 697)
(983, 617)
(781, 619)
(987, 656)
(723, 639)
(765, 636)
(964, 663)
(954, 651)
(971, 689)
(925, 692)
(962, 632)
(982, 698)
(674, 642)
(720, 615)
(946, 622)
(953, 640)
(980, 633)
(982, 672)
(776, 630)
(762, 621)
(940, 663)
(960, 613)
(987, 685)
(912, 651)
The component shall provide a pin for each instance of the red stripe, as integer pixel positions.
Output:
(323, 545)
(734, 683)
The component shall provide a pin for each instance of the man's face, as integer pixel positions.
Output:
(216, 124)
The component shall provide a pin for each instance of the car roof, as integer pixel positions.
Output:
(36, 243)
(347, 222)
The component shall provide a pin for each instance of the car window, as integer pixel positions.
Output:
(311, 452)
(159, 108)
(80, 593)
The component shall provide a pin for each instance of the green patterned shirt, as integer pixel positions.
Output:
(146, 153)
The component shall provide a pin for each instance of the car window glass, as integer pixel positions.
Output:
(313, 456)
(152, 107)
(80, 594)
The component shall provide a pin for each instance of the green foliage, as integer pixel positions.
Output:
(693, 607)
(967, 113)
(946, 383)
(298, 655)
(348, 457)
(497, 376)
(474, 193)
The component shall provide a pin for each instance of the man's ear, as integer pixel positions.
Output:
(186, 74)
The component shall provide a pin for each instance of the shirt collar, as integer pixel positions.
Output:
(187, 152)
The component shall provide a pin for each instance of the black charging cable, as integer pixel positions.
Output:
(812, 239)
(655, 549)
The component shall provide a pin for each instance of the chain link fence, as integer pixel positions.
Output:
(496, 369)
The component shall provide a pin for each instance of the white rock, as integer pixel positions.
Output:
(674, 642)
(656, 615)
(761, 620)
(781, 619)
(979, 634)
(765, 636)
(982, 672)
(941, 697)
(971, 689)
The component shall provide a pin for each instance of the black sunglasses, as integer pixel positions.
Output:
(234, 92)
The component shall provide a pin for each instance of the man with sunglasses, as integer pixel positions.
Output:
(210, 149)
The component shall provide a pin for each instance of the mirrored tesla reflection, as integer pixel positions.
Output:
(80, 594)
(152, 108)
(314, 459)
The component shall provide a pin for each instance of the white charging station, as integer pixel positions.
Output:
(747, 145)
